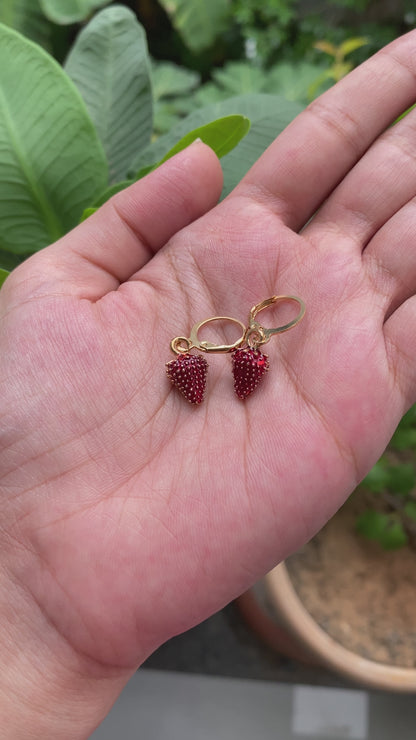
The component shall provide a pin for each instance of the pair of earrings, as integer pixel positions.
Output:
(188, 372)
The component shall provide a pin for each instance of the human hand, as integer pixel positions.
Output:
(129, 515)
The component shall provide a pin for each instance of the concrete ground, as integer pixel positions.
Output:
(218, 682)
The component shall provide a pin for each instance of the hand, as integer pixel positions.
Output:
(129, 515)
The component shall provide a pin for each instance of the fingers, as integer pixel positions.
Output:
(400, 339)
(378, 186)
(123, 235)
(308, 160)
(390, 259)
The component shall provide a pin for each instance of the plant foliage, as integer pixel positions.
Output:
(390, 488)
(269, 115)
(52, 160)
(3, 275)
(70, 136)
(70, 11)
(222, 135)
(27, 17)
(109, 64)
(198, 22)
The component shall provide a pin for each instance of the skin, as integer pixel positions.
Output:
(127, 515)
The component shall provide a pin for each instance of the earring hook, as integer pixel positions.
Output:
(254, 335)
(181, 345)
(257, 334)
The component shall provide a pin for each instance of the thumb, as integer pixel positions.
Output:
(117, 240)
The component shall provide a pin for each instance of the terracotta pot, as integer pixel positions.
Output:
(312, 640)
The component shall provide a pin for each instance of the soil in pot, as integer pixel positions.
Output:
(361, 595)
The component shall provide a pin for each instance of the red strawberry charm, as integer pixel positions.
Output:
(249, 366)
(189, 374)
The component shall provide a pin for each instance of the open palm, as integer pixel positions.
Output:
(129, 515)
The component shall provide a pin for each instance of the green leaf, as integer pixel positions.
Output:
(394, 536)
(402, 478)
(221, 135)
(350, 45)
(205, 95)
(409, 509)
(26, 17)
(340, 70)
(399, 479)
(405, 434)
(404, 438)
(326, 79)
(87, 212)
(294, 81)
(3, 275)
(9, 261)
(165, 116)
(239, 78)
(52, 162)
(169, 80)
(326, 47)
(70, 11)
(371, 524)
(385, 529)
(105, 196)
(145, 171)
(109, 192)
(403, 115)
(269, 115)
(377, 480)
(109, 64)
(199, 22)
(409, 419)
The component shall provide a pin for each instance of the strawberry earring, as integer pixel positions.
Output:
(249, 363)
(188, 372)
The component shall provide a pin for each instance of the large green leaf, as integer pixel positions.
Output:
(9, 261)
(171, 84)
(221, 135)
(26, 16)
(239, 78)
(109, 63)
(199, 22)
(292, 81)
(52, 163)
(170, 80)
(70, 11)
(269, 115)
(3, 275)
(105, 196)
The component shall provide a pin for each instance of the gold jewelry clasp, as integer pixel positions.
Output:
(178, 344)
(254, 335)
(257, 334)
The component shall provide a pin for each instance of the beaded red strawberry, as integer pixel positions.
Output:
(189, 373)
(249, 366)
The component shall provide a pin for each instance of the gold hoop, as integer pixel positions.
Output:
(261, 334)
(209, 346)
(254, 335)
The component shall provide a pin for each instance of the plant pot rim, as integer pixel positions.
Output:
(330, 652)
